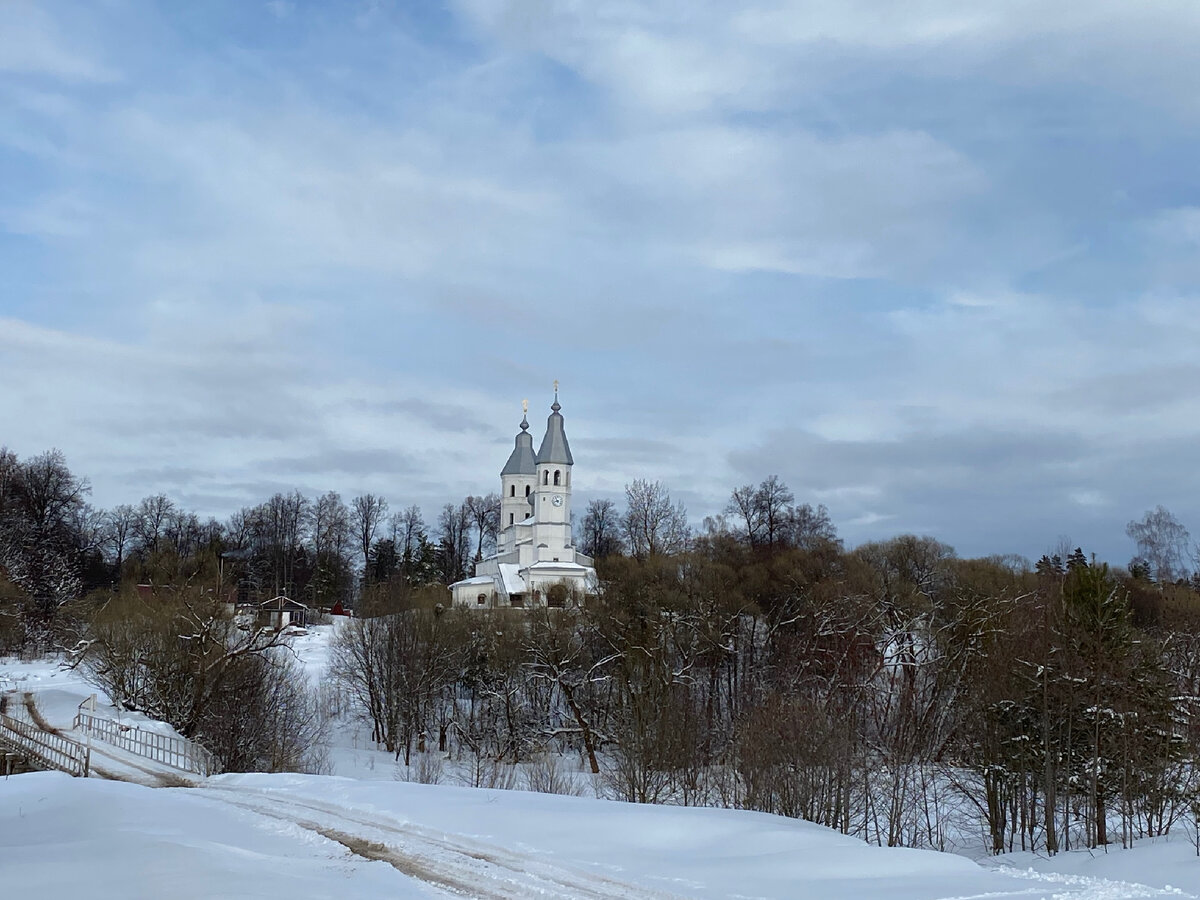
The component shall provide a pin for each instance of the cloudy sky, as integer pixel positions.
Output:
(934, 264)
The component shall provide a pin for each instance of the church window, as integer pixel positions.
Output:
(510, 518)
(557, 477)
(526, 490)
(512, 490)
(546, 477)
(568, 480)
(481, 599)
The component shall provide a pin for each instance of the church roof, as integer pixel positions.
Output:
(477, 579)
(510, 574)
(521, 462)
(555, 448)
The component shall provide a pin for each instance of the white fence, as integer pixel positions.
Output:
(173, 751)
(43, 748)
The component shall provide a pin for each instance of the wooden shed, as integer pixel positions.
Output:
(280, 612)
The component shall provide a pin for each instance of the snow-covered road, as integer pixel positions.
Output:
(310, 837)
(456, 864)
(331, 838)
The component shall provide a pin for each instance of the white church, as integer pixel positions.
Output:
(535, 563)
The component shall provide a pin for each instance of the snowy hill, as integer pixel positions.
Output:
(301, 837)
(369, 835)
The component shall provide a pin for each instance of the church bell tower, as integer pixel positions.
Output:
(552, 491)
(518, 478)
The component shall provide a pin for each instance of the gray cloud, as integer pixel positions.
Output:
(339, 461)
(908, 258)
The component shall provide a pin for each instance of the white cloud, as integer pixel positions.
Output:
(31, 43)
(227, 402)
(60, 214)
(786, 200)
(857, 244)
(271, 199)
(765, 55)
(1088, 498)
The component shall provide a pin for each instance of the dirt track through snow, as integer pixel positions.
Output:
(454, 864)
(36, 716)
(459, 866)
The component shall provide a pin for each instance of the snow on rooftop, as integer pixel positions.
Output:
(510, 573)
(476, 579)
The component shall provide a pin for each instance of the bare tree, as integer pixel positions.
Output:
(561, 651)
(395, 666)
(39, 536)
(183, 659)
(1162, 543)
(743, 505)
(277, 538)
(239, 529)
(121, 522)
(329, 525)
(89, 526)
(771, 502)
(409, 536)
(367, 513)
(809, 528)
(9, 469)
(153, 513)
(653, 524)
(485, 518)
(47, 490)
(770, 517)
(183, 532)
(601, 530)
(454, 526)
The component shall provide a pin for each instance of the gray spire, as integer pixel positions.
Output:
(555, 448)
(521, 462)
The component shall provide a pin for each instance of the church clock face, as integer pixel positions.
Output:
(558, 500)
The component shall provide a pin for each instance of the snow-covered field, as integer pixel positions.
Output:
(362, 833)
(259, 836)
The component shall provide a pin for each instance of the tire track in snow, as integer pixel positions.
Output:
(158, 778)
(447, 862)
(372, 850)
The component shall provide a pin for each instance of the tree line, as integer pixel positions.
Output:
(756, 662)
(56, 548)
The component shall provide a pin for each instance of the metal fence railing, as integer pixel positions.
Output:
(44, 748)
(164, 748)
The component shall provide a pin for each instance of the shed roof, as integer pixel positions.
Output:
(282, 603)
